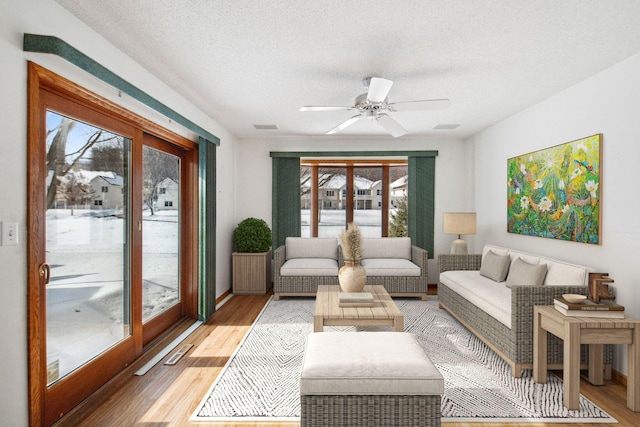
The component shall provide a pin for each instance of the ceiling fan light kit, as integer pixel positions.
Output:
(371, 105)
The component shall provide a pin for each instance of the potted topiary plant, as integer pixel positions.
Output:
(252, 257)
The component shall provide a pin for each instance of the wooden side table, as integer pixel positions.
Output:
(594, 331)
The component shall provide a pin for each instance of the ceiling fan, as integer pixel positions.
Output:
(371, 105)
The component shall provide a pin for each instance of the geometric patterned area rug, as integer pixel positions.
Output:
(260, 381)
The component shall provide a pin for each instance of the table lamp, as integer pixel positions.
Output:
(459, 223)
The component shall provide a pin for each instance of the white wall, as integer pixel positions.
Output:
(48, 18)
(607, 103)
(453, 165)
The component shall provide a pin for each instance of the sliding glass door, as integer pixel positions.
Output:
(111, 242)
(88, 308)
(161, 224)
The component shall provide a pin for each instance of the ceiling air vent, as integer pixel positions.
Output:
(446, 127)
(266, 127)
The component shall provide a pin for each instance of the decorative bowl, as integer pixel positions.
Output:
(574, 298)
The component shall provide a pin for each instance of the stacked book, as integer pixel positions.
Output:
(356, 299)
(588, 308)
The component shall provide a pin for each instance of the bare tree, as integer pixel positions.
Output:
(56, 157)
(76, 191)
(157, 166)
(325, 175)
(60, 163)
(108, 156)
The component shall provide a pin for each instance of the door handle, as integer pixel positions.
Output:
(45, 271)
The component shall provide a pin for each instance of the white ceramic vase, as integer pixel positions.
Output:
(352, 276)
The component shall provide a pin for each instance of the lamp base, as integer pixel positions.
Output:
(459, 247)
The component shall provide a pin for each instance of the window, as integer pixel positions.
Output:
(168, 204)
(162, 190)
(105, 189)
(97, 203)
(419, 166)
(370, 202)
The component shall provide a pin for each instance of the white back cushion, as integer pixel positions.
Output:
(313, 247)
(498, 250)
(386, 247)
(564, 274)
(559, 273)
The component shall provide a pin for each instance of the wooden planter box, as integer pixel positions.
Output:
(251, 273)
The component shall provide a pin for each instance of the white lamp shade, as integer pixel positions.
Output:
(459, 223)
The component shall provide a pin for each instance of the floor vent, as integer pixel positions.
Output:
(178, 354)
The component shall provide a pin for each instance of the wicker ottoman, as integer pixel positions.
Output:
(368, 379)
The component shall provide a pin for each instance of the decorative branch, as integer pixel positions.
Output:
(351, 241)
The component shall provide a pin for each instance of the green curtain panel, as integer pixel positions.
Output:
(422, 177)
(285, 215)
(207, 229)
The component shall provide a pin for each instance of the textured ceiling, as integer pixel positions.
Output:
(257, 62)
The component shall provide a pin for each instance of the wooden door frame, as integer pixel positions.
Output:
(43, 410)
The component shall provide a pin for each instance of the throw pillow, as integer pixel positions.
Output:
(522, 273)
(495, 266)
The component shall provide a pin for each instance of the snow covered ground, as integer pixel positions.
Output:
(86, 302)
(333, 222)
(86, 295)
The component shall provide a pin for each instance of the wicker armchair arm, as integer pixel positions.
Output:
(420, 257)
(523, 298)
(450, 262)
(279, 257)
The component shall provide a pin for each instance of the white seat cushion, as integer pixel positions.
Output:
(310, 267)
(368, 363)
(390, 267)
(494, 298)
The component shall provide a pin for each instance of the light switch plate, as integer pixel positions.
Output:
(9, 233)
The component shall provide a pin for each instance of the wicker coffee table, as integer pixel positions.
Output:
(329, 313)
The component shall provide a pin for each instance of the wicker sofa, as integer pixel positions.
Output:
(500, 314)
(301, 264)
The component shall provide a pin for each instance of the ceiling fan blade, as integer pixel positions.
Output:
(378, 89)
(427, 104)
(391, 125)
(324, 108)
(345, 124)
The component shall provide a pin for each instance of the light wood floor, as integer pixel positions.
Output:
(167, 395)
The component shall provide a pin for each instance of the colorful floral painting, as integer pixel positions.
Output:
(555, 192)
